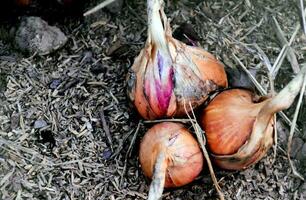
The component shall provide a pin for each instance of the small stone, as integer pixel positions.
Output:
(297, 144)
(55, 83)
(107, 153)
(40, 123)
(35, 35)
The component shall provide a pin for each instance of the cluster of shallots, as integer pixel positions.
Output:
(166, 76)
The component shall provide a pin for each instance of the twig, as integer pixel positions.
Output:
(283, 41)
(263, 57)
(106, 128)
(258, 86)
(98, 7)
(295, 116)
(284, 52)
(279, 61)
(120, 146)
(303, 16)
(129, 151)
(202, 140)
(133, 140)
(252, 29)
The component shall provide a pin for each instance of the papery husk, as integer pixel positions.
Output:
(176, 152)
(261, 137)
(188, 74)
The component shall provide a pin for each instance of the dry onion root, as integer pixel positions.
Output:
(239, 126)
(168, 72)
(170, 156)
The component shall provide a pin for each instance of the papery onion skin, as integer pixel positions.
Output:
(168, 73)
(183, 154)
(228, 122)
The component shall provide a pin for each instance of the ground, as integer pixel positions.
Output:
(67, 128)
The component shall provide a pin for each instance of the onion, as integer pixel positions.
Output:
(23, 2)
(170, 152)
(239, 126)
(167, 73)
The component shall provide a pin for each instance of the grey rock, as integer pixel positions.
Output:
(35, 35)
(55, 83)
(115, 7)
(40, 123)
(296, 146)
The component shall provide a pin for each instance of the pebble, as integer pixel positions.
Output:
(55, 83)
(107, 153)
(35, 35)
(40, 123)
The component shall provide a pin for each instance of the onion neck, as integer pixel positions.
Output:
(159, 177)
(156, 27)
(286, 96)
(281, 101)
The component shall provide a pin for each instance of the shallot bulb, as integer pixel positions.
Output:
(170, 156)
(168, 73)
(23, 2)
(239, 126)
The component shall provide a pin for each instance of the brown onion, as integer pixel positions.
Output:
(170, 152)
(239, 125)
(23, 2)
(167, 73)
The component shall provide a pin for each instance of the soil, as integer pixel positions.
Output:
(68, 131)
